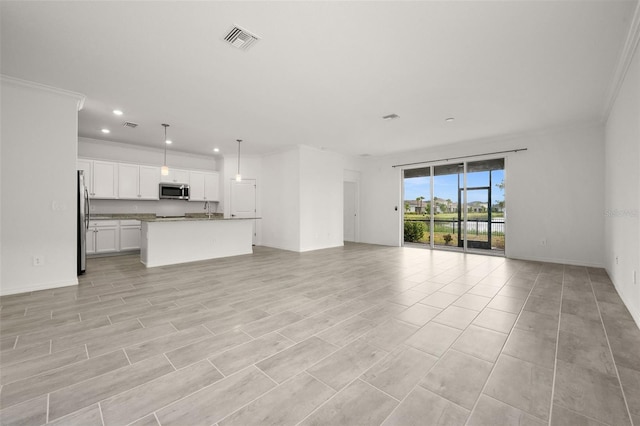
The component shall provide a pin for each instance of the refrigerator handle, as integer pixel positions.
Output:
(87, 205)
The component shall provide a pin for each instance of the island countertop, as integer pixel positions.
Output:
(152, 217)
(192, 218)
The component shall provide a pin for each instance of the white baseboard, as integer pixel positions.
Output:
(627, 302)
(37, 287)
(556, 260)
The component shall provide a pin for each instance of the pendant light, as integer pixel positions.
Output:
(164, 170)
(238, 175)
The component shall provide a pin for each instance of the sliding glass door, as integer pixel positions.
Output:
(417, 207)
(447, 181)
(458, 206)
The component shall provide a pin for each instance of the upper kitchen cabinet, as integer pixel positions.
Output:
(101, 178)
(138, 182)
(149, 182)
(176, 176)
(87, 167)
(204, 186)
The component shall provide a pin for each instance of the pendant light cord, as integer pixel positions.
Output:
(165, 143)
(239, 140)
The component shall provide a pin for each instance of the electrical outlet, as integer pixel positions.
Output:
(616, 260)
(38, 260)
(543, 242)
(635, 277)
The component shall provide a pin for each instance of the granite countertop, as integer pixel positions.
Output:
(151, 217)
(121, 216)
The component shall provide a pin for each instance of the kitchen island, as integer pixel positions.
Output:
(168, 241)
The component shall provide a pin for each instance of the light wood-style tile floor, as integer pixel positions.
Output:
(360, 335)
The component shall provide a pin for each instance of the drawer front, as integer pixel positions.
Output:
(130, 222)
(101, 223)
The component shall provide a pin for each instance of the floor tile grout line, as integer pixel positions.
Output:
(50, 370)
(484, 386)
(413, 388)
(126, 355)
(449, 348)
(142, 384)
(335, 392)
(47, 411)
(586, 416)
(613, 359)
(555, 358)
(100, 411)
(216, 368)
(265, 393)
(173, 366)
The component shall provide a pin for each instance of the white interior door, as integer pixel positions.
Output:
(243, 200)
(350, 211)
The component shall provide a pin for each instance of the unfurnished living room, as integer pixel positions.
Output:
(320, 212)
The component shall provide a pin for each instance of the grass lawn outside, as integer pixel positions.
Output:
(442, 229)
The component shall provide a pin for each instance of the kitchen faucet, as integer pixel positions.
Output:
(207, 207)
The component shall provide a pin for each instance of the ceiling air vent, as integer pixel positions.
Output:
(240, 38)
(129, 124)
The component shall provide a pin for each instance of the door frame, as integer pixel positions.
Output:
(352, 176)
(356, 224)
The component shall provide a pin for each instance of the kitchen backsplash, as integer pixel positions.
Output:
(160, 207)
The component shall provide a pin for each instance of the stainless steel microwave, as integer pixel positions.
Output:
(175, 191)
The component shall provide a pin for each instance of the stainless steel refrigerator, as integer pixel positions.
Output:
(83, 222)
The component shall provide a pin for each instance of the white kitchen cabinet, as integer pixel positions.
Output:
(104, 238)
(137, 182)
(176, 176)
(128, 181)
(196, 186)
(129, 235)
(204, 186)
(90, 243)
(101, 178)
(149, 183)
(105, 179)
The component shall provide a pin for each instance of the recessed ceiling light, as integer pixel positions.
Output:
(390, 117)
(216, 149)
(449, 120)
(106, 131)
(117, 112)
(168, 142)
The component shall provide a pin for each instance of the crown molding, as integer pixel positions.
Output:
(43, 87)
(628, 51)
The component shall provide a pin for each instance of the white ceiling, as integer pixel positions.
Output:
(324, 72)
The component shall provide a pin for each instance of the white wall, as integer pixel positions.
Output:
(622, 202)
(321, 199)
(115, 151)
(302, 198)
(281, 200)
(39, 186)
(554, 191)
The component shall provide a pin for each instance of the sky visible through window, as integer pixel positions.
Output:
(446, 187)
